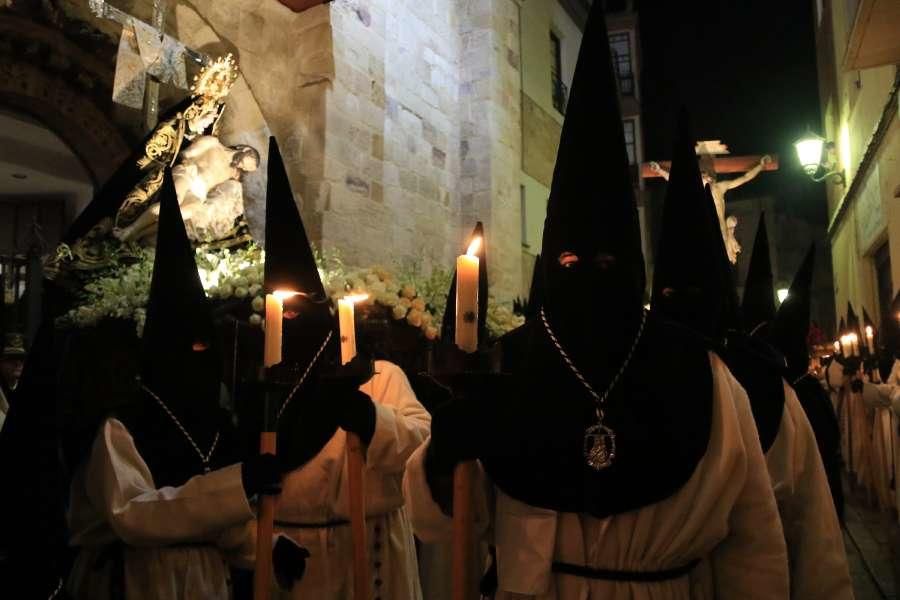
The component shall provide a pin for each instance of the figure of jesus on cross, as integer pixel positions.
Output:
(710, 166)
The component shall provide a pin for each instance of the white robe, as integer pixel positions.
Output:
(885, 400)
(177, 540)
(818, 562)
(725, 515)
(317, 494)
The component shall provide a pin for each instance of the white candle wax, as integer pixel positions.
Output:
(346, 320)
(870, 339)
(854, 344)
(467, 299)
(837, 347)
(274, 314)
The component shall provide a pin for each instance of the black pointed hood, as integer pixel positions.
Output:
(790, 328)
(291, 266)
(889, 336)
(728, 304)
(591, 209)
(179, 318)
(758, 307)
(178, 311)
(687, 274)
(448, 326)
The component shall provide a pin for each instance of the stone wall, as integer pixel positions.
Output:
(399, 120)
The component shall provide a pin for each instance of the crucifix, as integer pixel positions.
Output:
(712, 163)
(147, 57)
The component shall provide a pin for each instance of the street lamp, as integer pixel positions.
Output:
(812, 150)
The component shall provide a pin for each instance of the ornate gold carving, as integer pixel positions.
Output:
(141, 196)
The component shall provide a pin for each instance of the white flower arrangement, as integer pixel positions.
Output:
(229, 275)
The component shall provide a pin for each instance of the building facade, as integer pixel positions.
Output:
(550, 39)
(401, 122)
(858, 54)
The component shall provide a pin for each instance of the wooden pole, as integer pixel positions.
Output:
(462, 530)
(355, 484)
(265, 517)
(265, 524)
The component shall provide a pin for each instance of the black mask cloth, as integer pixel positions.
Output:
(661, 408)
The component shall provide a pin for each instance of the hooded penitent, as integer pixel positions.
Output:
(592, 311)
(309, 340)
(448, 326)
(758, 307)
(180, 361)
(790, 328)
(686, 286)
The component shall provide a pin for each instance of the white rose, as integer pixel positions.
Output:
(414, 318)
(258, 304)
(372, 278)
(405, 303)
(378, 287)
(399, 311)
(254, 289)
(418, 304)
(408, 291)
(389, 300)
(241, 282)
(427, 318)
(225, 290)
(256, 319)
(391, 286)
(431, 332)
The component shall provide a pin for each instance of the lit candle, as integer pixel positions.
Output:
(870, 339)
(274, 322)
(837, 347)
(346, 320)
(854, 344)
(274, 315)
(467, 298)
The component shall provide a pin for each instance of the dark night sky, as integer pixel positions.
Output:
(746, 70)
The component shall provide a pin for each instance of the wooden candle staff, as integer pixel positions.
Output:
(466, 337)
(265, 518)
(355, 462)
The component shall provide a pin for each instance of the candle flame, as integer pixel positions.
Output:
(474, 246)
(282, 295)
(869, 330)
(354, 298)
(853, 337)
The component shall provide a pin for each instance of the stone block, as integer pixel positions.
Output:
(357, 185)
(377, 192)
(409, 180)
(378, 146)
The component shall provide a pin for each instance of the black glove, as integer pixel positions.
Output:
(454, 434)
(430, 392)
(261, 474)
(356, 413)
(288, 562)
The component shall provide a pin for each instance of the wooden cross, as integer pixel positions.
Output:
(150, 110)
(722, 164)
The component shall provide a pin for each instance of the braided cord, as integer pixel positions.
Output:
(205, 458)
(599, 399)
(303, 377)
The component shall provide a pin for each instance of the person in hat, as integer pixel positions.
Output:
(887, 394)
(789, 336)
(620, 454)
(693, 286)
(160, 502)
(312, 422)
(12, 360)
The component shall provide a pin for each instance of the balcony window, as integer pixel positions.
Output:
(558, 88)
(620, 46)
